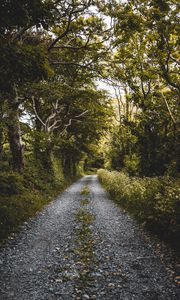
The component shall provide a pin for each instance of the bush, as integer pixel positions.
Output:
(21, 196)
(16, 209)
(153, 201)
(131, 164)
(11, 183)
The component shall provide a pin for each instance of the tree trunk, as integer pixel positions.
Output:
(37, 143)
(1, 131)
(14, 136)
(1, 139)
(48, 158)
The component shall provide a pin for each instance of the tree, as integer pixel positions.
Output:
(23, 59)
(26, 44)
(146, 61)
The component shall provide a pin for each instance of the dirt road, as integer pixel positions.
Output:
(82, 246)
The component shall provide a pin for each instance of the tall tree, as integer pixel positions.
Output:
(26, 43)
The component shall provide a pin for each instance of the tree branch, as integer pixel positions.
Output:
(20, 32)
(34, 108)
(168, 108)
(63, 34)
(75, 119)
(73, 47)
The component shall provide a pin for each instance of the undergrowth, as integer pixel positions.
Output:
(22, 196)
(155, 201)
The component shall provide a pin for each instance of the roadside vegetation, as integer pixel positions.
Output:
(141, 152)
(56, 121)
(51, 112)
(152, 201)
(23, 195)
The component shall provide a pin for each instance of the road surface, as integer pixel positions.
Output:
(83, 246)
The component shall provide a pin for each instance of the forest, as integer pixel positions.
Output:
(88, 85)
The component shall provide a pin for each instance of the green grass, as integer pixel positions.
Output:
(84, 247)
(84, 202)
(83, 216)
(85, 191)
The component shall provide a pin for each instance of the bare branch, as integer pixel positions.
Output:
(74, 11)
(82, 114)
(75, 118)
(47, 123)
(54, 125)
(34, 108)
(168, 108)
(20, 33)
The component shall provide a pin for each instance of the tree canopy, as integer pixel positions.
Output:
(54, 53)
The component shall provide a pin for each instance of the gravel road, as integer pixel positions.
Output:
(82, 246)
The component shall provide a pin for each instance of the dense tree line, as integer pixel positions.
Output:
(56, 122)
(50, 52)
(145, 76)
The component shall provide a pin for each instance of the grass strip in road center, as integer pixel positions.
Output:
(85, 191)
(84, 250)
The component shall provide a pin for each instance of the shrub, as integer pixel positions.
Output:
(115, 183)
(16, 209)
(153, 201)
(21, 196)
(131, 164)
(11, 183)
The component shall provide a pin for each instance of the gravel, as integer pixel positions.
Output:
(41, 261)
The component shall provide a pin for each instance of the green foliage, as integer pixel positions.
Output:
(123, 151)
(57, 78)
(23, 195)
(17, 209)
(131, 164)
(51, 107)
(145, 70)
(22, 63)
(11, 183)
(80, 168)
(155, 202)
(17, 14)
(58, 174)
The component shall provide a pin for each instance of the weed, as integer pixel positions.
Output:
(84, 217)
(85, 191)
(84, 202)
(85, 245)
